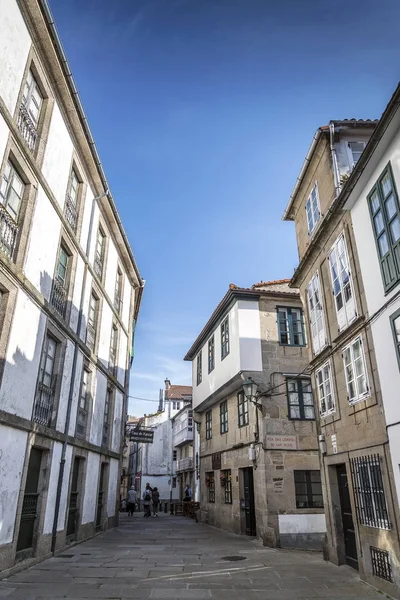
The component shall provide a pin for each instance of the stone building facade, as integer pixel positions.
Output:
(69, 292)
(259, 465)
(182, 443)
(357, 471)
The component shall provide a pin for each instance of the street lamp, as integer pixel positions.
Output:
(250, 389)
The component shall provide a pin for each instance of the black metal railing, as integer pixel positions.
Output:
(369, 492)
(43, 409)
(59, 297)
(381, 564)
(27, 127)
(8, 232)
(98, 266)
(90, 336)
(70, 212)
(29, 506)
(81, 423)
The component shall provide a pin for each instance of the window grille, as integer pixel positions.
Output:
(369, 492)
(381, 564)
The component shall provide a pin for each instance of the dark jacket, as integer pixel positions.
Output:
(155, 496)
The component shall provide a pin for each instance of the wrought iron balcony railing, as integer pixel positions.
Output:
(27, 127)
(29, 506)
(106, 431)
(98, 266)
(44, 403)
(70, 212)
(90, 336)
(8, 232)
(59, 297)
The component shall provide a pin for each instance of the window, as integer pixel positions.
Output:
(300, 399)
(317, 321)
(112, 363)
(312, 209)
(225, 338)
(223, 413)
(395, 321)
(176, 405)
(210, 482)
(175, 455)
(290, 325)
(308, 489)
(106, 420)
(99, 255)
(11, 191)
(355, 371)
(243, 409)
(211, 354)
(325, 391)
(369, 492)
(71, 201)
(356, 149)
(190, 420)
(199, 373)
(385, 214)
(209, 425)
(226, 481)
(118, 291)
(342, 284)
(83, 407)
(174, 482)
(29, 112)
(43, 410)
(92, 322)
(59, 291)
(380, 561)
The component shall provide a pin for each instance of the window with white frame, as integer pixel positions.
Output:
(342, 284)
(199, 369)
(11, 190)
(290, 325)
(316, 313)
(355, 371)
(32, 98)
(356, 149)
(312, 209)
(325, 390)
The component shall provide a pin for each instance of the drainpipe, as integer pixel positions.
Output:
(73, 374)
(335, 166)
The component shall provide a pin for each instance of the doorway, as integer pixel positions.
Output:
(101, 495)
(349, 534)
(30, 502)
(74, 499)
(248, 504)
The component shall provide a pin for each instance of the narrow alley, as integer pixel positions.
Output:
(173, 557)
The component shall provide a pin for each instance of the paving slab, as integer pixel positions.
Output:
(173, 557)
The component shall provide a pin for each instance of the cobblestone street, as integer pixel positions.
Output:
(173, 557)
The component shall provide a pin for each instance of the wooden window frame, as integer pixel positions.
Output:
(243, 409)
(311, 502)
(309, 203)
(209, 424)
(223, 417)
(299, 391)
(289, 328)
(211, 354)
(321, 399)
(225, 339)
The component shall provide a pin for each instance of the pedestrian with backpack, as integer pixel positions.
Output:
(147, 500)
(155, 496)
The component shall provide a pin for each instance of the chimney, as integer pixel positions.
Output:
(160, 403)
(167, 384)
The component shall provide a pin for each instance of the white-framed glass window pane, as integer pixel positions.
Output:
(317, 320)
(312, 209)
(11, 190)
(356, 149)
(32, 98)
(325, 391)
(342, 284)
(62, 266)
(355, 371)
(73, 187)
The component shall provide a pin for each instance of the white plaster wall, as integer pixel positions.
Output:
(122, 357)
(91, 483)
(52, 489)
(3, 133)
(117, 422)
(249, 335)
(87, 209)
(224, 369)
(75, 399)
(128, 297)
(113, 474)
(99, 399)
(58, 156)
(12, 456)
(43, 243)
(111, 271)
(296, 523)
(105, 334)
(76, 295)
(18, 386)
(157, 457)
(61, 522)
(65, 385)
(15, 43)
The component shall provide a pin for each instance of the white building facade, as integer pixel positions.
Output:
(375, 212)
(70, 291)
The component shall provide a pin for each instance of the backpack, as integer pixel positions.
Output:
(147, 495)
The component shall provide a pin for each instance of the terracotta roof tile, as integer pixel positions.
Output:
(179, 392)
(275, 282)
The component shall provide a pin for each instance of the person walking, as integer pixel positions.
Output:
(147, 500)
(187, 494)
(131, 500)
(155, 496)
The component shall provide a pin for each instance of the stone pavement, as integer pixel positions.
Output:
(172, 557)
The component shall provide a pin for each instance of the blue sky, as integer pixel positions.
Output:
(203, 111)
